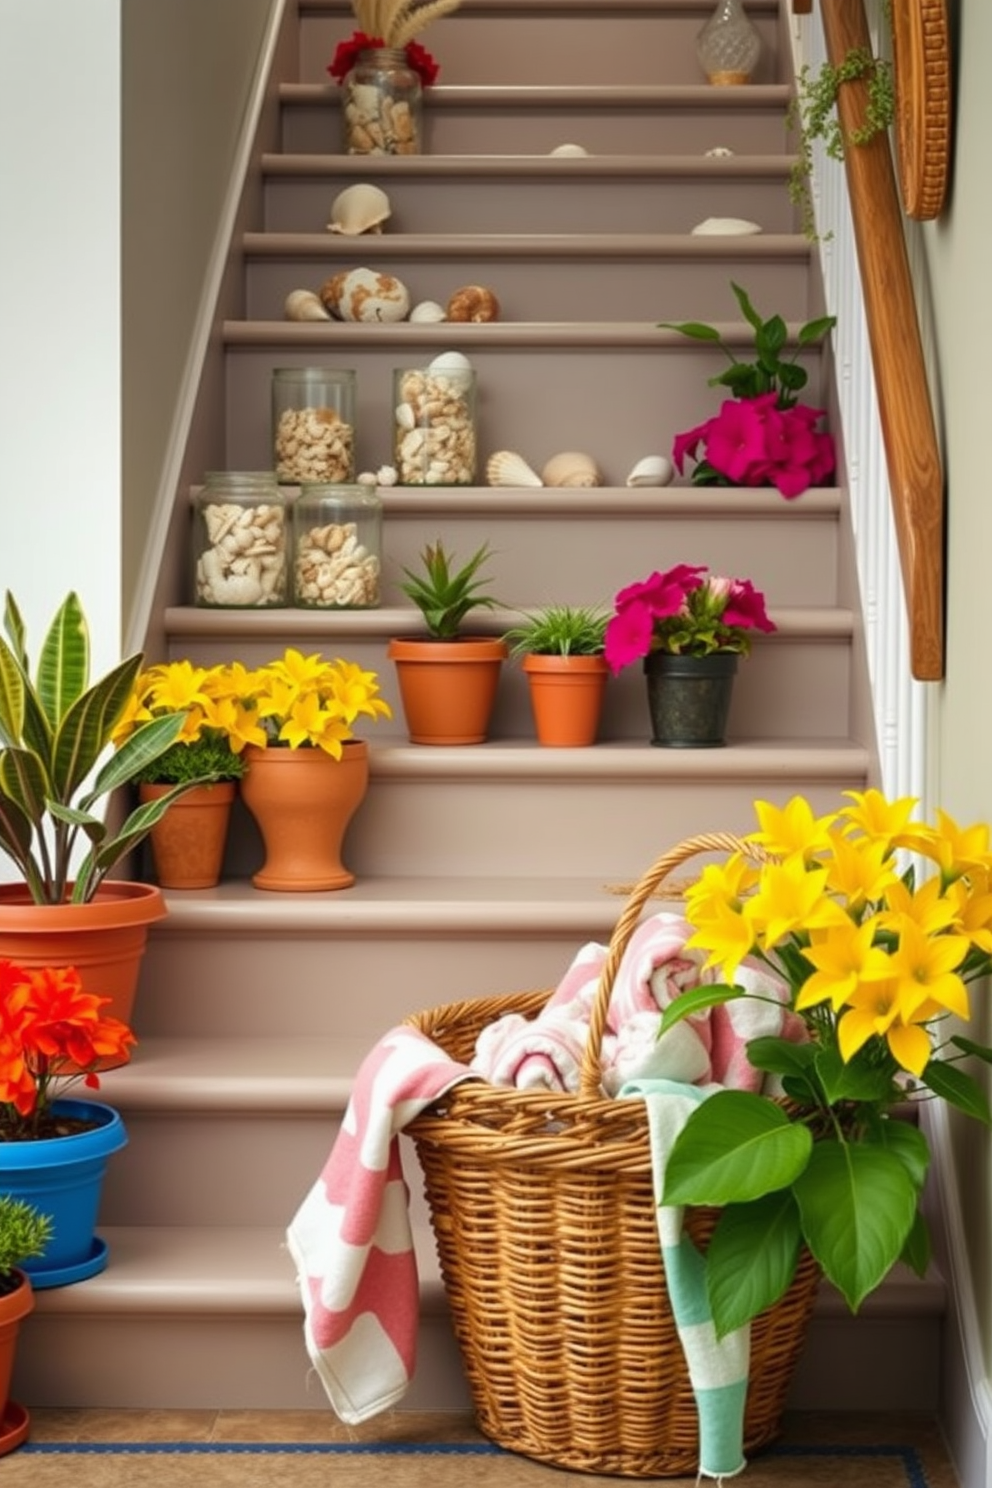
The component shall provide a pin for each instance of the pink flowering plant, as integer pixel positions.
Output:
(686, 611)
(763, 435)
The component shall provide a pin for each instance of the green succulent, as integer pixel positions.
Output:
(559, 630)
(444, 594)
(24, 1233)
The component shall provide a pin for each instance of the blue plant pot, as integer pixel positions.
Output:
(63, 1177)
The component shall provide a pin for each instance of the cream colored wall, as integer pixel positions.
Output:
(188, 66)
(957, 250)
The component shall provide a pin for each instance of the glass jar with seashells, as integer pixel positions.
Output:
(382, 101)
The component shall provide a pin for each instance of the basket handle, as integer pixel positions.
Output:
(590, 1080)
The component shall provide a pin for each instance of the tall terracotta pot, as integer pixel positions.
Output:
(448, 688)
(104, 940)
(14, 1308)
(303, 801)
(566, 695)
(188, 843)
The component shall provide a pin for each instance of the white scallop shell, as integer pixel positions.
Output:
(571, 468)
(303, 304)
(720, 151)
(568, 150)
(506, 468)
(725, 227)
(652, 470)
(358, 209)
(455, 366)
(366, 295)
(428, 311)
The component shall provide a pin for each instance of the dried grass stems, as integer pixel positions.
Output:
(399, 21)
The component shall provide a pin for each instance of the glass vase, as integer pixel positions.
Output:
(382, 97)
(728, 46)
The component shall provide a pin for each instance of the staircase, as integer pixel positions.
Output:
(480, 870)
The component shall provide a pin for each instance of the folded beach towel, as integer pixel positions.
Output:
(351, 1238)
(543, 1053)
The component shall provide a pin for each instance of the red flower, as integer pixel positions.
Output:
(346, 55)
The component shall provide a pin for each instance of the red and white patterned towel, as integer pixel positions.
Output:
(351, 1238)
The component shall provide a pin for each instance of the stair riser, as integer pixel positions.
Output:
(535, 50)
(542, 289)
(617, 405)
(454, 128)
(541, 206)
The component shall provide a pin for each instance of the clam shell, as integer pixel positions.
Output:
(571, 468)
(360, 208)
(569, 150)
(455, 366)
(427, 311)
(303, 304)
(652, 470)
(365, 295)
(728, 227)
(506, 468)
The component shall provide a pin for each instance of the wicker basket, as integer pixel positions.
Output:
(544, 1217)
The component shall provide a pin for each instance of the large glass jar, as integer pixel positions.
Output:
(337, 547)
(240, 541)
(434, 438)
(313, 424)
(382, 100)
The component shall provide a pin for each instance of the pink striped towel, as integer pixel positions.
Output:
(351, 1239)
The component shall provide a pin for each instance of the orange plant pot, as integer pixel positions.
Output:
(303, 801)
(566, 695)
(188, 843)
(14, 1308)
(448, 688)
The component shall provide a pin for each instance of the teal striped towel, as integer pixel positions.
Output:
(718, 1368)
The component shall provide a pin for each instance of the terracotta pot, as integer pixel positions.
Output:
(689, 699)
(14, 1307)
(104, 940)
(566, 695)
(303, 801)
(448, 688)
(188, 843)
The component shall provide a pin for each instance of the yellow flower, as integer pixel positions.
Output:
(883, 820)
(926, 907)
(792, 829)
(791, 899)
(972, 911)
(875, 1011)
(924, 967)
(860, 871)
(957, 850)
(841, 956)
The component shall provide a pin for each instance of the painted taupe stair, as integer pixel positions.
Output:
(483, 869)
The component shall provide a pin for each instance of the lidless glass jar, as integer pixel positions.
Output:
(313, 424)
(240, 541)
(382, 98)
(337, 547)
(434, 440)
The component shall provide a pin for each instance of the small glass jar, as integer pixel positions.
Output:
(313, 424)
(729, 45)
(434, 438)
(382, 97)
(240, 541)
(337, 547)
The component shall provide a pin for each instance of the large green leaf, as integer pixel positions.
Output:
(852, 1080)
(734, 1147)
(957, 1087)
(751, 1258)
(779, 1056)
(85, 730)
(64, 663)
(23, 781)
(697, 1000)
(909, 1145)
(145, 745)
(968, 1046)
(747, 309)
(857, 1203)
(916, 1252)
(12, 689)
(814, 330)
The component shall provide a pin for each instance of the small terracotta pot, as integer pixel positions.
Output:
(188, 843)
(303, 800)
(448, 688)
(566, 695)
(14, 1308)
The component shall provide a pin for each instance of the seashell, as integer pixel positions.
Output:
(719, 151)
(365, 295)
(303, 304)
(428, 311)
(725, 227)
(455, 366)
(387, 475)
(505, 468)
(359, 209)
(571, 468)
(652, 470)
(568, 150)
(473, 302)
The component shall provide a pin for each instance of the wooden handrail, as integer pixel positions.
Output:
(916, 476)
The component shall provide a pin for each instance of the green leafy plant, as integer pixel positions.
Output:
(559, 630)
(55, 728)
(445, 594)
(770, 371)
(24, 1234)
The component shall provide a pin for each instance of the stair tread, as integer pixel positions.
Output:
(500, 167)
(497, 333)
(753, 97)
(777, 246)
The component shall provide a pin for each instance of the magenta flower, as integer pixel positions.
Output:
(754, 442)
(684, 610)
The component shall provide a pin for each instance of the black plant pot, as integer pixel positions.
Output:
(689, 699)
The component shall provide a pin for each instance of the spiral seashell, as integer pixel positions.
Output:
(473, 302)
(506, 468)
(303, 304)
(365, 295)
(361, 208)
(725, 227)
(652, 470)
(428, 312)
(571, 468)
